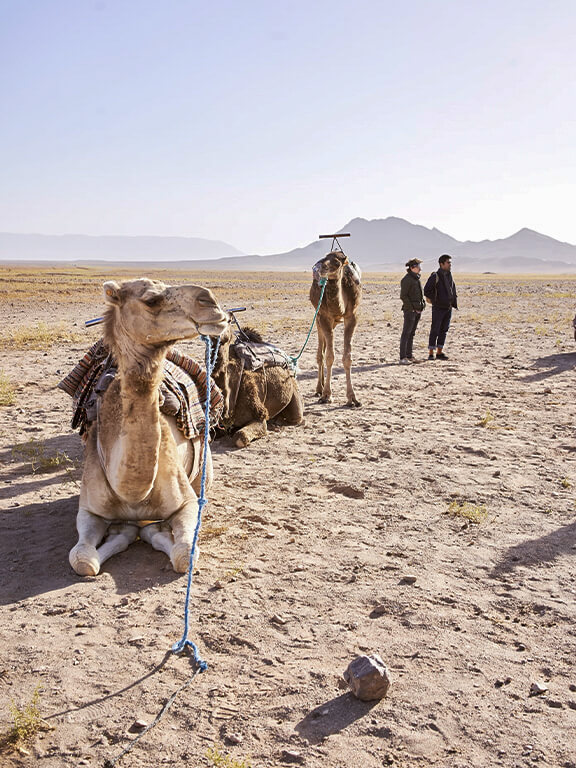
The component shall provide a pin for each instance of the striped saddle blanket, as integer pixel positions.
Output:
(182, 392)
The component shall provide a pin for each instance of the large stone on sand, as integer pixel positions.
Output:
(368, 677)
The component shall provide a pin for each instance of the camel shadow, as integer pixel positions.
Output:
(554, 364)
(339, 371)
(70, 444)
(332, 717)
(536, 552)
(37, 563)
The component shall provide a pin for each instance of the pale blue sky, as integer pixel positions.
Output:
(264, 124)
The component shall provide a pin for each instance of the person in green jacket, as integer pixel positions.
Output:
(412, 306)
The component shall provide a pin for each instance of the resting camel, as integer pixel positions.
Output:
(253, 397)
(340, 303)
(137, 463)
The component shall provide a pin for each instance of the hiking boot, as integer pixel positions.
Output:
(441, 356)
(405, 361)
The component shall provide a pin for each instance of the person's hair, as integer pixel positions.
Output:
(443, 258)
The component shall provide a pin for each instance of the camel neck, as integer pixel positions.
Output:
(134, 455)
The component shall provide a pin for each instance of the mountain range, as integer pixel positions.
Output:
(379, 245)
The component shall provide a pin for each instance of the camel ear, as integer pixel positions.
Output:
(111, 292)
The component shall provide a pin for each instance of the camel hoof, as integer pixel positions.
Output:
(325, 400)
(354, 404)
(83, 564)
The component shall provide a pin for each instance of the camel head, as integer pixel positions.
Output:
(331, 265)
(151, 314)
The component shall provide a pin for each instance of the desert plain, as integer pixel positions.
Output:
(434, 526)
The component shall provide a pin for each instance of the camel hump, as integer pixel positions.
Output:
(354, 271)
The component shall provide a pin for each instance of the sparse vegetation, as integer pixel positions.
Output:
(487, 421)
(473, 513)
(7, 390)
(565, 483)
(39, 336)
(40, 458)
(219, 759)
(26, 722)
(209, 531)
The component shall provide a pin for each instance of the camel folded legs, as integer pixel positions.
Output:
(98, 540)
(175, 537)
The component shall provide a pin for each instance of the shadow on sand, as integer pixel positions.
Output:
(34, 546)
(332, 717)
(535, 552)
(552, 365)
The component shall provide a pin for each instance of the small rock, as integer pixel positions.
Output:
(136, 640)
(409, 579)
(218, 584)
(536, 689)
(368, 677)
(139, 725)
(277, 619)
(572, 687)
(235, 738)
(291, 756)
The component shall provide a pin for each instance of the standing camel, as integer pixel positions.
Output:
(340, 303)
(138, 465)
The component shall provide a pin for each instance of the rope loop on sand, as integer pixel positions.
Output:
(322, 283)
(184, 642)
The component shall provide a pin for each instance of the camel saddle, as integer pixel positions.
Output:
(259, 354)
(182, 392)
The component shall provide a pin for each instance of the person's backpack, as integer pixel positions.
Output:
(432, 298)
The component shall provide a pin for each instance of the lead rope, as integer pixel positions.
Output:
(184, 642)
(322, 283)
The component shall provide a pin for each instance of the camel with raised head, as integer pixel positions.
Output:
(253, 397)
(137, 462)
(340, 304)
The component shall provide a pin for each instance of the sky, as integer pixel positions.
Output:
(265, 124)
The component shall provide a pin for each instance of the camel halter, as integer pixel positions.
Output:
(184, 642)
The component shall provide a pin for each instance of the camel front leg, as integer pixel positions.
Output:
(175, 536)
(97, 542)
(183, 525)
(329, 360)
(320, 360)
(349, 329)
(251, 431)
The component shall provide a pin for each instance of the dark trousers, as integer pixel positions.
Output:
(408, 330)
(441, 317)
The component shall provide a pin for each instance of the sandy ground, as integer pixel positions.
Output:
(307, 540)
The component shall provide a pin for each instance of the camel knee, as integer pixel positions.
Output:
(180, 557)
(84, 560)
(250, 432)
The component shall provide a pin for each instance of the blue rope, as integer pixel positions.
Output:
(322, 283)
(202, 501)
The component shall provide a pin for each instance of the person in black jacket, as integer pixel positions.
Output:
(412, 305)
(440, 291)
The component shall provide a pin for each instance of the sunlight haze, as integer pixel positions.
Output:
(264, 125)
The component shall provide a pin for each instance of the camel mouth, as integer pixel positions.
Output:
(212, 329)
